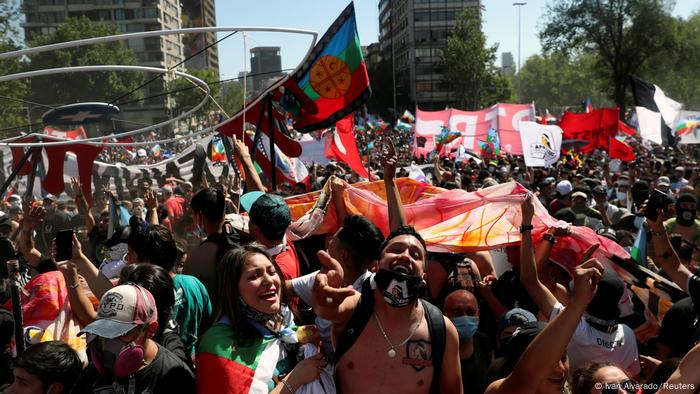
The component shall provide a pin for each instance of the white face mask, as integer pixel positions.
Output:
(621, 196)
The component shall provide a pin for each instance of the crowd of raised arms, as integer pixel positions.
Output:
(182, 301)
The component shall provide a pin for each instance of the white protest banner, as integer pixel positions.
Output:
(541, 143)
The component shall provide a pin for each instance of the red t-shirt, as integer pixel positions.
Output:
(288, 262)
(175, 207)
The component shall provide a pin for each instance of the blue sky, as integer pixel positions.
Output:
(500, 26)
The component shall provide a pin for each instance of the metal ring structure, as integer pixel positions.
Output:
(91, 141)
(128, 36)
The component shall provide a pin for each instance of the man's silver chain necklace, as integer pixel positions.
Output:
(392, 353)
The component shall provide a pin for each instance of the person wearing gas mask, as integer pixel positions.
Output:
(387, 340)
(685, 222)
(121, 348)
(474, 348)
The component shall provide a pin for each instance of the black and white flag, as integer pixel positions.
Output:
(656, 113)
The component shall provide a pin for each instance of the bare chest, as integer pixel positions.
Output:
(368, 368)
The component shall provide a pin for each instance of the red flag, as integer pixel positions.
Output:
(128, 139)
(620, 150)
(596, 127)
(625, 128)
(77, 134)
(342, 147)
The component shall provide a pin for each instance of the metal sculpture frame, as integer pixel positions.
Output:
(128, 36)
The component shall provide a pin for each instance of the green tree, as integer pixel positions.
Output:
(85, 86)
(559, 80)
(231, 96)
(13, 111)
(624, 34)
(468, 64)
(676, 69)
(187, 95)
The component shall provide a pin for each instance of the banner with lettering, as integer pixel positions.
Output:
(473, 126)
(541, 144)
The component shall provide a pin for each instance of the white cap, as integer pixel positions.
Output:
(564, 188)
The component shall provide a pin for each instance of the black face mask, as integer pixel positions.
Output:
(686, 217)
(398, 289)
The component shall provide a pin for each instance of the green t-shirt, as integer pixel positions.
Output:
(192, 311)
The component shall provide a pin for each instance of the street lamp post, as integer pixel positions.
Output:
(519, 5)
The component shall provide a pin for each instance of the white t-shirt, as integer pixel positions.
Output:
(303, 287)
(588, 346)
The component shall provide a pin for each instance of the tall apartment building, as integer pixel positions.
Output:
(200, 13)
(414, 33)
(44, 16)
(265, 65)
(507, 64)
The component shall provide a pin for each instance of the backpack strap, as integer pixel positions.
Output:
(438, 339)
(357, 321)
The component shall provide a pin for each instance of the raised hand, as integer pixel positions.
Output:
(106, 190)
(151, 200)
(588, 253)
(33, 217)
(75, 185)
(338, 186)
(240, 148)
(586, 277)
(327, 292)
(236, 186)
(528, 209)
(389, 159)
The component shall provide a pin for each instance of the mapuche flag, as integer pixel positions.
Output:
(333, 82)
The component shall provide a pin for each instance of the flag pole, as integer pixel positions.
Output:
(16, 170)
(273, 154)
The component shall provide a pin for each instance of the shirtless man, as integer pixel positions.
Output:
(393, 352)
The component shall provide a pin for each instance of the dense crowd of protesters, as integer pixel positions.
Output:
(180, 301)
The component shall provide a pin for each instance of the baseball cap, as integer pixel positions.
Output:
(267, 211)
(600, 189)
(680, 168)
(663, 181)
(518, 343)
(548, 181)
(564, 188)
(122, 309)
(515, 318)
(579, 194)
(608, 233)
(50, 197)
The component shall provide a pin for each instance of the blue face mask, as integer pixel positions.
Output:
(466, 326)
